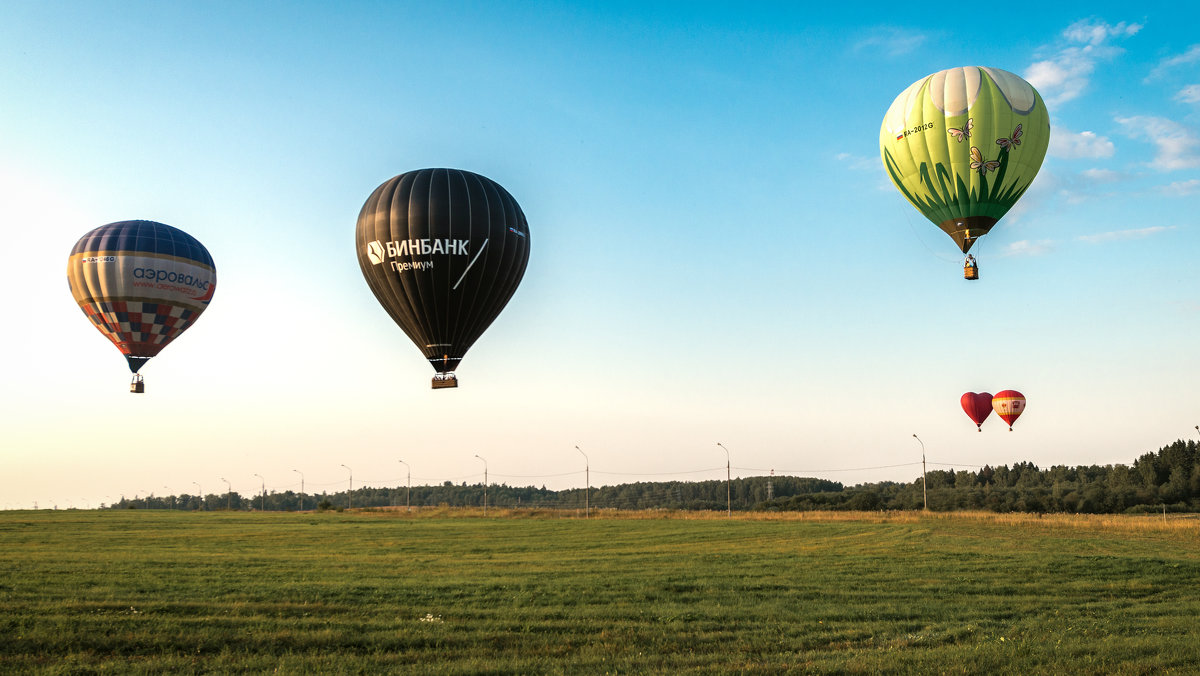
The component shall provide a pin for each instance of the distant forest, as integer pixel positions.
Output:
(1167, 479)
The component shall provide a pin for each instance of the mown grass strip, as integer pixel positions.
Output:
(452, 592)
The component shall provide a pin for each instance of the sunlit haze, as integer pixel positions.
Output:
(717, 252)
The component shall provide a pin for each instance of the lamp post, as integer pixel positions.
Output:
(408, 491)
(200, 492)
(924, 491)
(263, 502)
(228, 495)
(587, 488)
(728, 500)
(349, 493)
(485, 483)
(301, 488)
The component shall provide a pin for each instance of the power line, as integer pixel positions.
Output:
(826, 471)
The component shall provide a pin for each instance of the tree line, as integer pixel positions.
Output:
(1165, 479)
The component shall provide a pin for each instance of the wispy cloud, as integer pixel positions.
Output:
(1101, 175)
(858, 162)
(1027, 247)
(1074, 145)
(1095, 33)
(1065, 74)
(1121, 235)
(890, 40)
(1180, 188)
(1192, 55)
(1189, 94)
(1178, 146)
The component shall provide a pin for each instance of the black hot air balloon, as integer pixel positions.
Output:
(442, 250)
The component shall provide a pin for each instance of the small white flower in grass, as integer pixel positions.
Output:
(429, 617)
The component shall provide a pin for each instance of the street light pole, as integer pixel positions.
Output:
(587, 488)
(924, 490)
(228, 495)
(200, 492)
(485, 483)
(408, 491)
(350, 493)
(263, 502)
(728, 500)
(301, 488)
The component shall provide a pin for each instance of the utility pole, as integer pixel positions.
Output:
(728, 500)
(485, 483)
(350, 493)
(587, 487)
(301, 488)
(200, 492)
(263, 502)
(924, 490)
(228, 495)
(408, 492)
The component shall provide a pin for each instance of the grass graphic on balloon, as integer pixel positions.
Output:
(946, 191)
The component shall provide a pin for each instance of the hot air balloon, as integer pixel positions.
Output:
(1009, 405)
(978, 406)
(963, 145)
(141, 284)
(443, 250)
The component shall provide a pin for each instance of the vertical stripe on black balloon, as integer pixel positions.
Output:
(485, 275)
(407, 203)
(508, 258)
(473, 301)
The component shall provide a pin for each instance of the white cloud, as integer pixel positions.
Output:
(1062, 78)
(1192, 55)
(1095, 33)
(1085, 144)
(1027, 247)
(1189, 94)
(1180, 188)
(1178, 146)
(858, 162)
(1065, 75)
(1101, 175)
(891, 40)
(1120, 235)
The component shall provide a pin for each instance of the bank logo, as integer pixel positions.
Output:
(375, 252)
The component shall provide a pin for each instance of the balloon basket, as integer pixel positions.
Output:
(444, 380)
(137, 386)
(970, 272)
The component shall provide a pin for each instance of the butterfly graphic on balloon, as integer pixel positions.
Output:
(1012, 141)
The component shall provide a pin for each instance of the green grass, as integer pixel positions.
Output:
(156, 592)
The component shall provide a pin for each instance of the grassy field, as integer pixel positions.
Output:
(520, 592)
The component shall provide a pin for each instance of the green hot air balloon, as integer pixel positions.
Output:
(963, 145)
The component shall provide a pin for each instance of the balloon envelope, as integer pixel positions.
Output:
(443, 250)
(141, 283)
(1009, 405)
(963, 145)
(978, 406)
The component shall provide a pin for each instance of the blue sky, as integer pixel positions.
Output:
(717, 253)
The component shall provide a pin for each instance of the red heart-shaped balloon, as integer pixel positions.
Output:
(978, 406)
